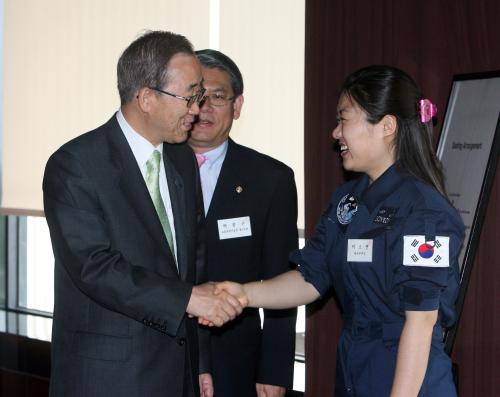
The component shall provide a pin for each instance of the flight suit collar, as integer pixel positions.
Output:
(379, 190)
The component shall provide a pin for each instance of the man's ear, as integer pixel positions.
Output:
(237, 105)
(145, 99)
(389, 124)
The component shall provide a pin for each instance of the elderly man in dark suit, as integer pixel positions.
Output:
(250, 203)
(123, 205)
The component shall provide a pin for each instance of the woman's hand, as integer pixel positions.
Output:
(234, 289)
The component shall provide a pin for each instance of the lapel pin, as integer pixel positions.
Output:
(239, 189)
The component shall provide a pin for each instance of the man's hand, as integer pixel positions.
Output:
(227, 288)
(216, 309)
(269, 390)
(206, 385)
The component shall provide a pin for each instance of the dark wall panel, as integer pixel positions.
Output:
(432, 41)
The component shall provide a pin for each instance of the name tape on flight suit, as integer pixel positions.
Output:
(418, 252)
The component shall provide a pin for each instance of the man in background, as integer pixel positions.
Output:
(124, 210)
(250, 204)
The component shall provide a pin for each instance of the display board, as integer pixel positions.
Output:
(468, 149)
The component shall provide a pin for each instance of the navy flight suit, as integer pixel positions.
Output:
(415, 237)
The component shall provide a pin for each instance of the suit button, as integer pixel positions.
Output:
(181, 341)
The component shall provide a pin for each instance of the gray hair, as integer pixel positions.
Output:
(217, 60)
(144, 62)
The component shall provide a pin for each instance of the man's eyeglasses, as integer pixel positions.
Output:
(198, 97)
(216, 99)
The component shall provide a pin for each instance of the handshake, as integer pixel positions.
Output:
(217, 303)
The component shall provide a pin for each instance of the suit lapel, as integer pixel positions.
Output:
(177, 198)
(231, 176)
(131, 182)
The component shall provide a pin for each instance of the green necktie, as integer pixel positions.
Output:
(153, 184)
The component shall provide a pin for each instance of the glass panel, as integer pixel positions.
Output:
(39, 266)
(31, 326)
(299, 376)
(38, 327)
(3, 263)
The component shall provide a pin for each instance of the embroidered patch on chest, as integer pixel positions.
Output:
(385, 215)
(346, 209)
(418, 252)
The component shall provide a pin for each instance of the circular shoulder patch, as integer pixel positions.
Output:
(346, 209)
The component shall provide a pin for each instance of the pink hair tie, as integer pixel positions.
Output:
(427, 110)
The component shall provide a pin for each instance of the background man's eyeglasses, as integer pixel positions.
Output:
(216, 99)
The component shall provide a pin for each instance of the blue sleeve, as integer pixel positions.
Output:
(312, 259)
(425, 288)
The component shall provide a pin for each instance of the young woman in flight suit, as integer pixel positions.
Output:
(388, 244)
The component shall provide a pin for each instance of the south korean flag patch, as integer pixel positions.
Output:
(418, 252)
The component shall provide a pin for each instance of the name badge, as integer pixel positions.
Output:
(359, 250)
(234, 227)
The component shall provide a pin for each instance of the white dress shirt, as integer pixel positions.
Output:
(143, 149)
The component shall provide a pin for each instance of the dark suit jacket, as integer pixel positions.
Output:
(119, 314)
(242, 354)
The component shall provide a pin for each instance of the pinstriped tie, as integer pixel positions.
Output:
(153, 184)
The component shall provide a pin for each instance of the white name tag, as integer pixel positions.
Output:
(234, 227)
(418, 252)
(359, 250)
